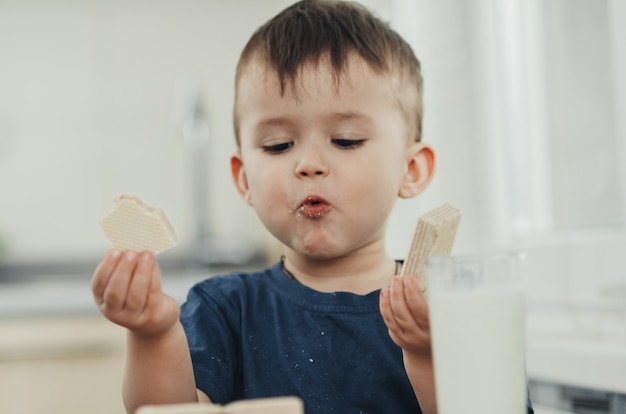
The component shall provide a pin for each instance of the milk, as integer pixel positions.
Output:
(478, 349)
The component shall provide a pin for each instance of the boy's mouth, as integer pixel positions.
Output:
(314, 207)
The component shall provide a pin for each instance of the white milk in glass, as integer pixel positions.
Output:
(478, 341)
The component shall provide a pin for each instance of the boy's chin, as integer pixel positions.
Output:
(315, 253)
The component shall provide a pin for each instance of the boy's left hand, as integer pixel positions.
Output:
(405, 311)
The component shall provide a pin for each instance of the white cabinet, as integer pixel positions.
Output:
(61, 366)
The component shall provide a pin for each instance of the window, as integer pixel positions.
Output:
(526, 109)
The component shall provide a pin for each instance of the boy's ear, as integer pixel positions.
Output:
(239, 177)
(420, 170)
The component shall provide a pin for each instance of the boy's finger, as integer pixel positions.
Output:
(416, 301)
(155, 285)
(115, 292)
(155, 293)
(401, 312)
(103, 273)
(385, 308)
(139, 285)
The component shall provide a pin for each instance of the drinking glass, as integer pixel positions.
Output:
(477, 322)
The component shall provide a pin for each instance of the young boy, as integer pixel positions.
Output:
(327, 117)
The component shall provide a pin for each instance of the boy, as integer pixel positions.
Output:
(328, 124)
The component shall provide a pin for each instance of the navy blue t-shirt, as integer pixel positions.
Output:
(263, 334)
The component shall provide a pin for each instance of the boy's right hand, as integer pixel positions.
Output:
(127, 289)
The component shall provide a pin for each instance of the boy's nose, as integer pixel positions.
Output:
(311, 164)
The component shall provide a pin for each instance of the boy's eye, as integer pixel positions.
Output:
(277, 148)
(348, 143)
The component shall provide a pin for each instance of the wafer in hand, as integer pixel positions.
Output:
(434, 235)
(133, 225)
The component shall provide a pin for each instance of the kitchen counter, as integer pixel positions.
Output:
(59, 296)
(55, 344)
(35, 290)
(582, 363)
(577, 358)
(585, 348)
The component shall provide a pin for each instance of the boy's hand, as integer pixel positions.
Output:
(127, 289)
(405, 312)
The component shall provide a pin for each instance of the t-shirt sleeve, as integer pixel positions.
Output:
(209, 320)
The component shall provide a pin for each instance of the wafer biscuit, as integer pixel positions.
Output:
(269, 405)
(434, 235)
(134, 225)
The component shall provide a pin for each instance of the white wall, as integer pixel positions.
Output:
(87, 89)
(86, 95)
(524, 105)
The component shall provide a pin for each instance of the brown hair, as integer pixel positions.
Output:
(311, 30)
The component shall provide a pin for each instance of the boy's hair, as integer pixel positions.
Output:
(310, 31)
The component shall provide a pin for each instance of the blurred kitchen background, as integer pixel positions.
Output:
(525, 103)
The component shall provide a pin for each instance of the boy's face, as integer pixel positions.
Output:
(322, 166)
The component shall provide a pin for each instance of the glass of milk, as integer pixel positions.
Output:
(477, 308)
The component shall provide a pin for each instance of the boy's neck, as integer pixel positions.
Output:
(356, 273)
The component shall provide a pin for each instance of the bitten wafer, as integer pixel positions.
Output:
(434, 235)
(136, 226)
